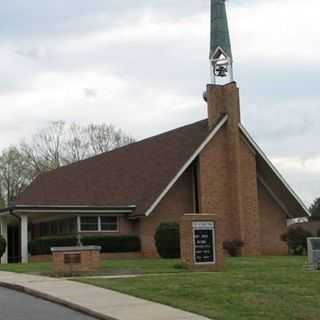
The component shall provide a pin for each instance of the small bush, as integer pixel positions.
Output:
(233, 247)
(297, 240)
(107, 243)
(3, 246)
(167, 240)
(113, 243)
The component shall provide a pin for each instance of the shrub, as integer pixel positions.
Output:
(3, 245)
(113, 243)
(297, 240)
(43, 245)
(233, 247)
(318, 233)
(107, 243)
(167, 240)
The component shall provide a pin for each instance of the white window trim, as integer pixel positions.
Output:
(99, 224)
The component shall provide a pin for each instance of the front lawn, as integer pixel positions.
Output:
(263, 288)
(108, 267)
(35, 267)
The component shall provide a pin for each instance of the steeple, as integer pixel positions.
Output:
(220, 45)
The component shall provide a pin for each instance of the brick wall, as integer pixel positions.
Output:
(249, 195)
(89, 261)
(220, 176)
(176, 203)
(273, 224)
(227, 186)
(103, 256)
(214, 183)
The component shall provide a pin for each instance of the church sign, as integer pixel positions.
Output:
(204, 242)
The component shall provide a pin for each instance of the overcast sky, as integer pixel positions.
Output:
(143, 65)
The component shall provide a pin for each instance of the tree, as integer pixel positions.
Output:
(105, 137)
(297, 240)
(315, 208)
(15, 173)
(45, 151)
(60, 144)
(52, 147)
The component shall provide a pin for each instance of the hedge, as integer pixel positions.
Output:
(110, 244)
(113, 243)
(297, 240)
(42, 246)
(167, 240)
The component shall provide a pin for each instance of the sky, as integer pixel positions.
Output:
(142, 65)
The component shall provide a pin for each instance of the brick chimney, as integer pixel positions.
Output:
(223, 99)
(227, 180)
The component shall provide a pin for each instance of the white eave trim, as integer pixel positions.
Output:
(273, 168)
(188, 163)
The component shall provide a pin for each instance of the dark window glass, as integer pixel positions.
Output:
(109, 223)
(89, 223)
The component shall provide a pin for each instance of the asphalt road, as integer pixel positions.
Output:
(19, 306)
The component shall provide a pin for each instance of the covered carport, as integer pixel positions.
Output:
(16, 223)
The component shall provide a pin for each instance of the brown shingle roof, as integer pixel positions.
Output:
(132, 175)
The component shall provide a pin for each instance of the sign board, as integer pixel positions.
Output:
(72, 258)
(314, 252)
(204, 242)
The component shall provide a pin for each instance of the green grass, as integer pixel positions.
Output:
(143, 266)
(263, 288)
(36, 267)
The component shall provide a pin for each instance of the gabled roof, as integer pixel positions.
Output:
(139, 175)
(132, 175)
(272, 179)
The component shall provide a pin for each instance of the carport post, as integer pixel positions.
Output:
(4, 233)
(24, 239)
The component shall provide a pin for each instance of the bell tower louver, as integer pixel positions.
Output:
(220, 46)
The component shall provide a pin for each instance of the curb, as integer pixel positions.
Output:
(47, 297)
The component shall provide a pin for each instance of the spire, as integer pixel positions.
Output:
(220, 45)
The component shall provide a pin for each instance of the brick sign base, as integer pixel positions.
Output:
(201, 242)
(69, 260)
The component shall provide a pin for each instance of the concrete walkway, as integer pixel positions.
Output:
(93, 301)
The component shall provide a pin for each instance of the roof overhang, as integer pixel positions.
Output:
(20, 209)
(275, 183)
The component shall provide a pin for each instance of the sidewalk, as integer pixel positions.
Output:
(94, 301)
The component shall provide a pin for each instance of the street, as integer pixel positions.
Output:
(19, 306)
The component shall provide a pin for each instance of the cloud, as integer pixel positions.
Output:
(144, 66)
(90, 93)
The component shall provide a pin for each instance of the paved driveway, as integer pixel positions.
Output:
(19, 306)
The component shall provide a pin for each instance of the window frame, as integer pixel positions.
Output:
(99, 223)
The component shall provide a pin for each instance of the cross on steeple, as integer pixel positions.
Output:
(220, 45)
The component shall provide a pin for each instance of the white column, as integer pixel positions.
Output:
(4, 233)
(24, 239)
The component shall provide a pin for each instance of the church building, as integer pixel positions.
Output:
(211, 166)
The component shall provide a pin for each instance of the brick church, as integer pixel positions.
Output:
(210, 166)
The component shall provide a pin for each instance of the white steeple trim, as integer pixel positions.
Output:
(188, 163)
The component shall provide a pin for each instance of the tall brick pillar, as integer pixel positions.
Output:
(222, 179)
